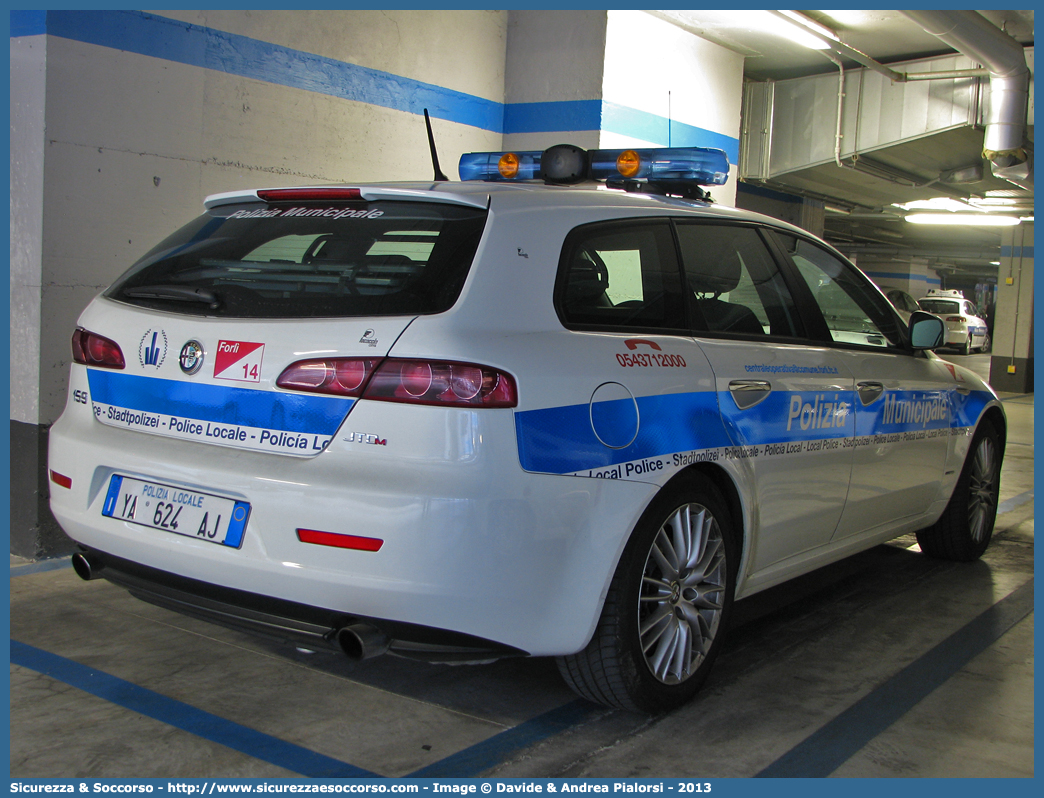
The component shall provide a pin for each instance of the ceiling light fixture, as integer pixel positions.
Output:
(811, 24)
(973, 219)
(935, 204)
(794, 32)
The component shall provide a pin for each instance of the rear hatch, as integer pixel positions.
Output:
(255, 325)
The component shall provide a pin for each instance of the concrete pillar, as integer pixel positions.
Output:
(34, 532)
(578, 77)
(911, 275)
(1011, 364)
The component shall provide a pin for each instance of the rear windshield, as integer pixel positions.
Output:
(310, 260)
(939, 305)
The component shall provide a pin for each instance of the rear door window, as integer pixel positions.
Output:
(281, 261)
(620, 276)
(733, 284)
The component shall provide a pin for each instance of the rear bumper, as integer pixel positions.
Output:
(284, 621)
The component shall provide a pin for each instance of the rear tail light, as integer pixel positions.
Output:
(425, 382)
(337, 376)
(958, 319)
(440, 383)
(91, 349)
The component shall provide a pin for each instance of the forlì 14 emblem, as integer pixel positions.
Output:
(239, 361)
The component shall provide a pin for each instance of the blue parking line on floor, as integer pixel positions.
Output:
(832, 745)
(482, 756)
(1008, 505)
(183, 716)
(41, 566)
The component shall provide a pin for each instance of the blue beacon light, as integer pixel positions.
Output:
(666, 166)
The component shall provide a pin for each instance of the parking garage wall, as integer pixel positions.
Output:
(146, 114)
(911, 275)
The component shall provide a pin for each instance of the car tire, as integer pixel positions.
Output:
(985, 343)
(966, 526)
(682, 602)
(966, 346)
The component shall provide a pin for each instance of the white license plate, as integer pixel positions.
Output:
(204, 516)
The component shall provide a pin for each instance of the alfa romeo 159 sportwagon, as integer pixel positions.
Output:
(524, 414)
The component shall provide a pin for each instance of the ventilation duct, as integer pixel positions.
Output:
(973, 35)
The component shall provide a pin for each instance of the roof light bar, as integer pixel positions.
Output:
(701, 165)
(565, 163)
(495, 166)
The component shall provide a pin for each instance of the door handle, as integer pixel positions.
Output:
(869, 392)
(747, 393)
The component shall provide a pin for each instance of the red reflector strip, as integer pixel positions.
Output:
(304, 194)
(61, 479)
(338, 540)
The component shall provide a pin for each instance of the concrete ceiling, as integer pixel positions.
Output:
(895, 174)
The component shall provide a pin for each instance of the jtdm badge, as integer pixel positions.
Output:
(191, 358)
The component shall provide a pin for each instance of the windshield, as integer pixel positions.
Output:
(310, 260)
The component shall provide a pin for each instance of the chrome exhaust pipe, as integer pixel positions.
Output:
(361, 641)
(87, 566)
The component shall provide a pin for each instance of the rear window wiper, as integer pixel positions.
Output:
(176, 293)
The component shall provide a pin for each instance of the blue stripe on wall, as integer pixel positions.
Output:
(194, 45)
(28, 23)
(654, 129)
(184, 43)
(552, 116)
(1016, 252)
(902, 276)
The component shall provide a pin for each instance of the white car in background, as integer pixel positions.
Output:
(500, 417)
(965, 329)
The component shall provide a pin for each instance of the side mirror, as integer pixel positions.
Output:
(926, 331)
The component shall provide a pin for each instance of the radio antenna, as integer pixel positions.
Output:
(431, 144)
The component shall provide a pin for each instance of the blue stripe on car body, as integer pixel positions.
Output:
(290, 412)
(560, 440)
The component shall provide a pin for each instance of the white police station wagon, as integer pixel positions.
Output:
(508, 416)
(965, 329)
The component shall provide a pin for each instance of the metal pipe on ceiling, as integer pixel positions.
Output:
(973, 35)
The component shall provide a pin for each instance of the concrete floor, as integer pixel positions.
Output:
(886, 664)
